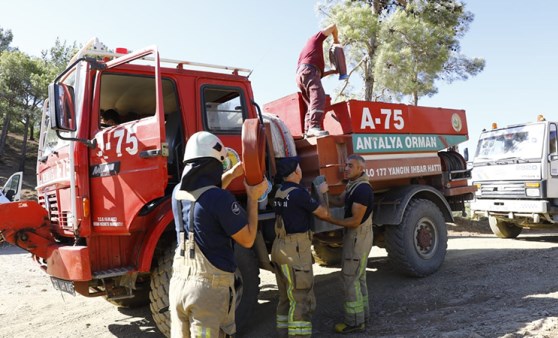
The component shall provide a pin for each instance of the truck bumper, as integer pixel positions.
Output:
(69, 263)
(514, 206)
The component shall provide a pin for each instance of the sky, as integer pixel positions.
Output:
(516, 38)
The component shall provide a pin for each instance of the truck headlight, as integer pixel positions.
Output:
(478, 186)
(532, 189)
(532, 192)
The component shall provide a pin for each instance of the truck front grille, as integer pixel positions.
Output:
(505, 190)
(49, 201)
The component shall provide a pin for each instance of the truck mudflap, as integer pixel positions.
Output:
(26, 225)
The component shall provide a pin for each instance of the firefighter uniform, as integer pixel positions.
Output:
(202, 293)
(357, 243)
(292, 256)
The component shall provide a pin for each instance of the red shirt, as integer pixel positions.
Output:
(313, 52)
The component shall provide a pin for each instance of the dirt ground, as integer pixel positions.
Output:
(487, 287)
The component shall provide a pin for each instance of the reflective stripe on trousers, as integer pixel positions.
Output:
(292, 256)
(357, 244)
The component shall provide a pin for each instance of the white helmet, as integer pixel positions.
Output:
(204, 144)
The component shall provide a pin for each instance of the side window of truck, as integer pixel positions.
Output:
(126, 97)
(552, 139)
(223, 109)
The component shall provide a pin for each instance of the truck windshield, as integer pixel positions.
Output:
(521, 142)
(50, 140)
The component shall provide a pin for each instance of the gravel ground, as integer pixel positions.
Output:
(487, 287)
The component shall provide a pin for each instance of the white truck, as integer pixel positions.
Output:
(11, 191)
(515, 170)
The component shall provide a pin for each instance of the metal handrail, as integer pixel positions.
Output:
(102, 52)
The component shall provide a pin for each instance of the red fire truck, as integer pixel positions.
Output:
(103, 224)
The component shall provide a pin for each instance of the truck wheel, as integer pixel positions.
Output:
(417, 246)
(247, 283)
(326, 255)
(159, 296)
(503, 229)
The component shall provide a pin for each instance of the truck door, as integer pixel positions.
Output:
(12, 187)
(128, 167)
(552, 185)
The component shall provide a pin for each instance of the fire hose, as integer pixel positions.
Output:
(253, 151)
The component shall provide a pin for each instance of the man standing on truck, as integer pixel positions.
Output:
(291, 252)
(358, 199)
(309, 73)
(202, 293)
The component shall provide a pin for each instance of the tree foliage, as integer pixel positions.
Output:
(24, 83)
(401, 48)
(59, 55)
(6, 38)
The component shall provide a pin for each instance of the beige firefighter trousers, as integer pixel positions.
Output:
(357, 244)
(201, 297)
(292, 257)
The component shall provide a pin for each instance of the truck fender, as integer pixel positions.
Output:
(163, 217)
(390, 206)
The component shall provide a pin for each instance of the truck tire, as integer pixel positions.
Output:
(159, 296)
(418, 245)
(503, 229)
(247, 283)
(327, 255)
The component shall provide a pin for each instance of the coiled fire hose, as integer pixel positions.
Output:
(253, 150)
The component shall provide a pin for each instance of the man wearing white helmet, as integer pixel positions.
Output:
(207, 217)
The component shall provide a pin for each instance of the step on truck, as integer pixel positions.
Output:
(515, 170)
(103, 225)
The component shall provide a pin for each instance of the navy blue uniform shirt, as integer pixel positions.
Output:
(217, 216)
(296, 209)
(362, 194)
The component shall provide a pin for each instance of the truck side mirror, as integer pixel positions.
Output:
(61, 107)
(466, 154)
